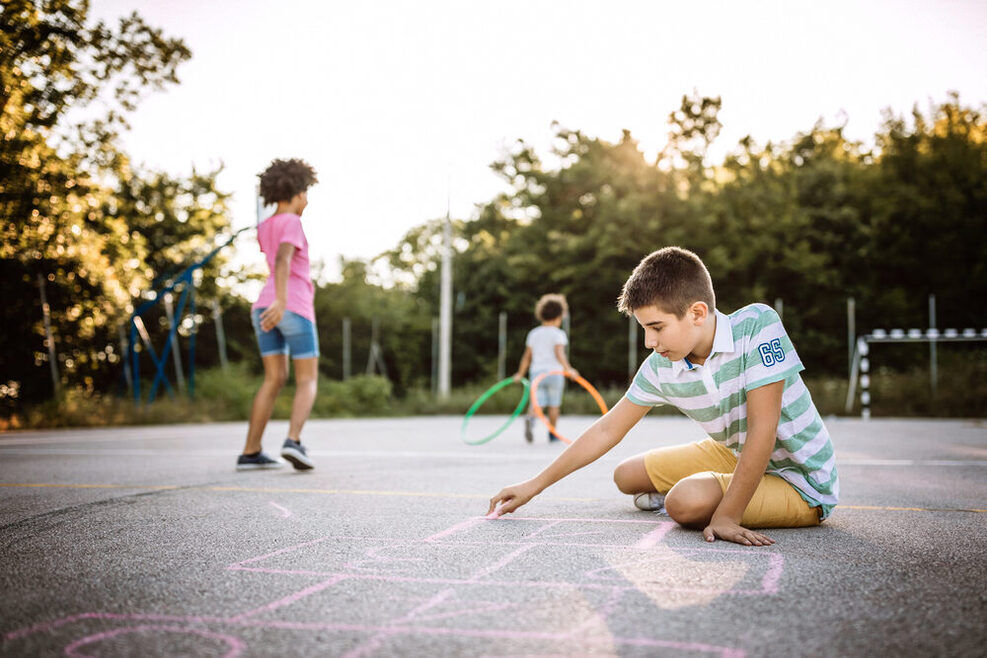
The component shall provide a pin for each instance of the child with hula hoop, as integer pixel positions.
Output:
(544, 351)
(284, 315)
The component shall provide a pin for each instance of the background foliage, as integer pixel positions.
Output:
(811, 221)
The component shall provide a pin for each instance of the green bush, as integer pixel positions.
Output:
(362, 395)
(228, 395)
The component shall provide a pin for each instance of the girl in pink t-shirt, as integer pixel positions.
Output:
(284, 315)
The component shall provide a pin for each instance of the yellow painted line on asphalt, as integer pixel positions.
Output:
(911, 509)
(89, 486)
(371, 492)
(348, 492)
(413, 494)
(352, 492)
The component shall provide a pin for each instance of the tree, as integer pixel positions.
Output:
(928, 205)
(404, 324)
(56, 178)
(810, 220)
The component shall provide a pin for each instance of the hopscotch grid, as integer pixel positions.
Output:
(646, 544)
(538, 584)
(330, 626)
(291, 598)
(500, 564)
(411, 623)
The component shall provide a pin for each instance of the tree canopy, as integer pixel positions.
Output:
(76, 217)
(810, 220)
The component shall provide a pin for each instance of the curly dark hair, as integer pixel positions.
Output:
(283, 179)
(550, 307)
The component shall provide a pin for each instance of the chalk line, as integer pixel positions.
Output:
(285, 513)
(236, 645)
(392, 630)
(291, 598)
(769, 583)
(537, 584)
(502, 562)
(651, 539)
(278, 552)
(459, 527)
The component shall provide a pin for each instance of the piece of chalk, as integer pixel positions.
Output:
(496, 513)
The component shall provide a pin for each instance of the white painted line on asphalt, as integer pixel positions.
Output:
(375, 454)
(421, 494)
(96, 436)
(418, 454)
(345, 492)
(911, 462)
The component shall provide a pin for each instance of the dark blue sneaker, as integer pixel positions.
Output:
(294, 452)
(552, 436)
(256, 461)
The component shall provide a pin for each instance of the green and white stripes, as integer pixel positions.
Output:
(750, 350)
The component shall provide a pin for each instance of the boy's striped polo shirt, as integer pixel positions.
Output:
(750, 350)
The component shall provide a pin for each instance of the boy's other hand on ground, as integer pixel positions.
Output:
(271, 316)
(730, 531)
(512, 497)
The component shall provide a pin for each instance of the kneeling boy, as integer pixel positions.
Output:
(769, 461)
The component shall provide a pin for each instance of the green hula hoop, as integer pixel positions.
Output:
(486, 396)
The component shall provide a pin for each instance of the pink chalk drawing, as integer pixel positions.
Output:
(236, 646)
(285, 512)
(436, 587)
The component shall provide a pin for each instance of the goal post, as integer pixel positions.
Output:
(860, 363)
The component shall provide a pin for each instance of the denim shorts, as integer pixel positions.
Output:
(550, 390)
(295, 335)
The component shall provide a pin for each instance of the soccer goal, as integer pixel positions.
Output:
(860, 364)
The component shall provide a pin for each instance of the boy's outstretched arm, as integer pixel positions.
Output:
(603, 435)
(763, 412)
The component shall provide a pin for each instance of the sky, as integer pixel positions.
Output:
(402, 106)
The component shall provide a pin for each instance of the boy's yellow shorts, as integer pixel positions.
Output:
(775, 503)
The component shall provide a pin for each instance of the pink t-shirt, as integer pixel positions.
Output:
(271, 234)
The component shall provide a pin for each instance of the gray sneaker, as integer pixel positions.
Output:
(528, 435)
(294, 452)
(256, 462)
(650, 501)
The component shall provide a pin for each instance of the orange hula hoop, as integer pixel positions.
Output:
(576, 378)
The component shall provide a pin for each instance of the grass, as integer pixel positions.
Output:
(227, 396)
(219, 396)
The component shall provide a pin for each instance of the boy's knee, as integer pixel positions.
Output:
(631, 477)
(693, 500)
(621, 480)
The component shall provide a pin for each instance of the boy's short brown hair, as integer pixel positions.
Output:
(550, 307)
(283, 179)
(673, 279)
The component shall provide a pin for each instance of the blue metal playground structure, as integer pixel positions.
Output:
(185, 281)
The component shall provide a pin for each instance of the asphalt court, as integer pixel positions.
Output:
(144, 541)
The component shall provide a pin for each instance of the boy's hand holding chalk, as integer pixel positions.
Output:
(510, 498)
